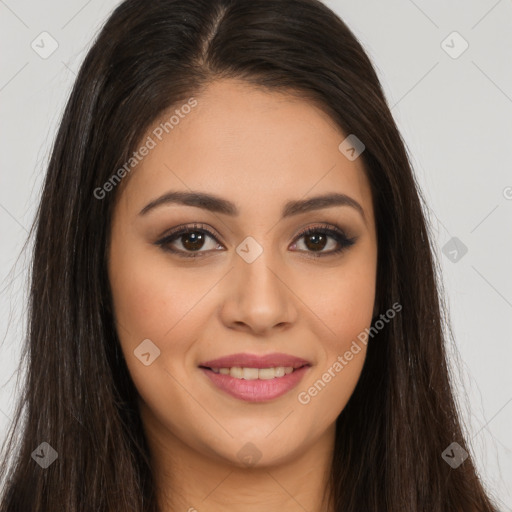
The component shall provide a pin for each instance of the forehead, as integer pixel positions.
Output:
(247, 144)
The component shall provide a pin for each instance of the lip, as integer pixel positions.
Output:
(256, 390)
(255, 361)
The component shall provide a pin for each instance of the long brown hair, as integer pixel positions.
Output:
(78, 395)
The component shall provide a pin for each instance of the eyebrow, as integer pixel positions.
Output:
(218, 205)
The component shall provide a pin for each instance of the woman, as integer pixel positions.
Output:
(233, 301)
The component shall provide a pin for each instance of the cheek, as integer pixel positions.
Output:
(149, 304)
(344, 301)
(152, 300)
(148, 294)
(346, 310)
(347, 313)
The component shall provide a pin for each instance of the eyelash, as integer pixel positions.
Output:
(339, 236)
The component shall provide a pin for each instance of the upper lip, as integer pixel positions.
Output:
(256, 361)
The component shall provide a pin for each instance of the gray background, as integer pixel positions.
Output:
(455, 115)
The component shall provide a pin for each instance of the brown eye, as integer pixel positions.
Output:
(316, 239)
(191, 239)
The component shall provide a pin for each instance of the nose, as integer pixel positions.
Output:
(257, 298)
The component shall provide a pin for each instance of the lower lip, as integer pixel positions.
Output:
(256, 390)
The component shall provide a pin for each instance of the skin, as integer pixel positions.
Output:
(258, 149)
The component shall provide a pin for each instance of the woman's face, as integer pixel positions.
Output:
(256, 286)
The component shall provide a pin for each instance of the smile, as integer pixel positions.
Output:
(254, 373)
(255, 384)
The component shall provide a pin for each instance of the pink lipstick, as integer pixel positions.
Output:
(256, 378)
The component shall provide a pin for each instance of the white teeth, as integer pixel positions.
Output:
(249, 373)
(255, 373)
